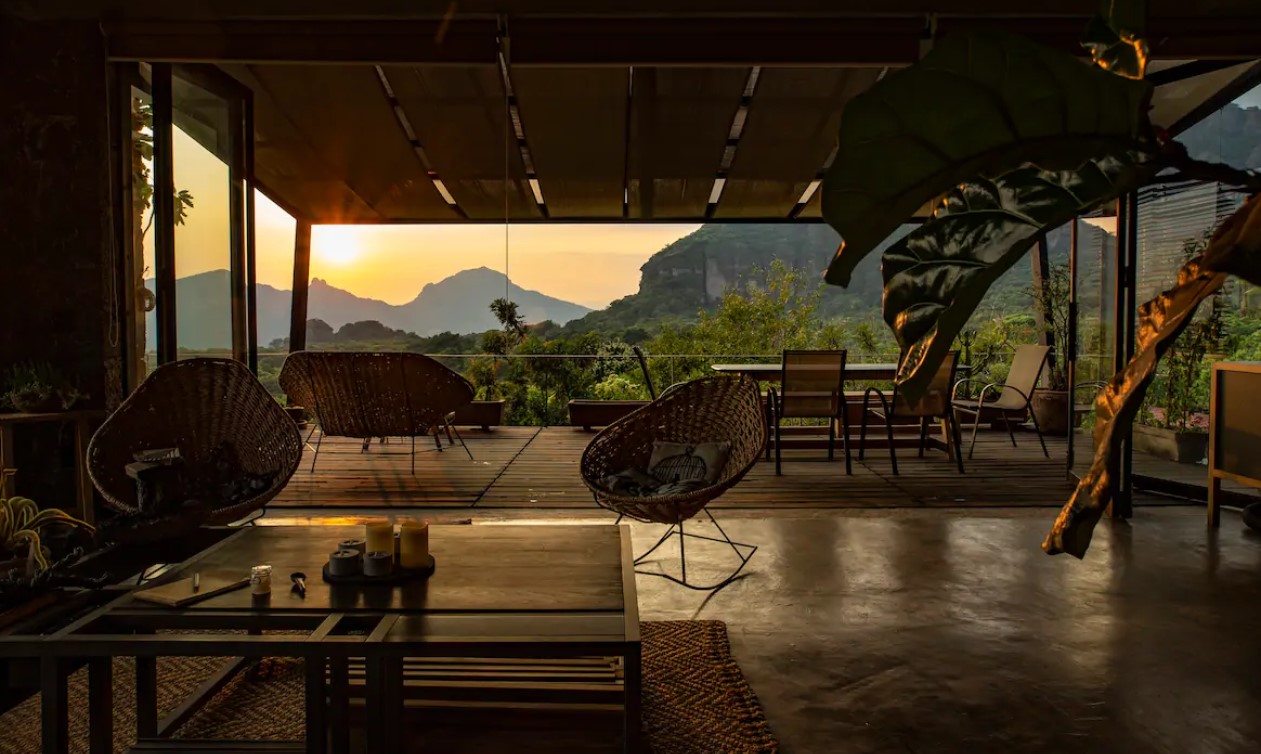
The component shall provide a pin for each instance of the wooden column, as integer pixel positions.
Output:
(164, 213)
(251, 264)
(236, 222)
(1041, 271)
(301, 280)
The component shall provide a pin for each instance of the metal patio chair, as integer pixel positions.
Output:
(935, 404)
(1010, 401)
(812, 386)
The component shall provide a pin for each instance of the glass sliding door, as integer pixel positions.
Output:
(208, 215)
(189, 240)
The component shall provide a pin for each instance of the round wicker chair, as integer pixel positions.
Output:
(197, 405)
(714, 409)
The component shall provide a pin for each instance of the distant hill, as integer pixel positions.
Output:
(692, 274)
(459, 304)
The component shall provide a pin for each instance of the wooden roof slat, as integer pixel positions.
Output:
(679, 123)
(790, 130)
(575, 121)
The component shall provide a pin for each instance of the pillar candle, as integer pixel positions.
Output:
(379, 536)
(414, 544)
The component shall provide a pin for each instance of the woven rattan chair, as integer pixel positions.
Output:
(935, 404)
(376, 395)
(1010, 401)
(197, 406)
(714, 409)
(812, 386)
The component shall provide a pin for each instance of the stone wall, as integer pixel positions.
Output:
(55, 200)
(55, 251)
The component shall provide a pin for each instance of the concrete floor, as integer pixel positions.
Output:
(938, 631)
(950, 630)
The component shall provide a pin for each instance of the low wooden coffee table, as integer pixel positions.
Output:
(503, 600)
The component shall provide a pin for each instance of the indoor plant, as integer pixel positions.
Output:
(1007, 140)
(1172, 424)
(1052, 403)
(39, 388)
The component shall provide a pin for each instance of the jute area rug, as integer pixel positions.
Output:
(696, 701)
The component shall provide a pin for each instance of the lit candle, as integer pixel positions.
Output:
(379, 536)
(414, 544)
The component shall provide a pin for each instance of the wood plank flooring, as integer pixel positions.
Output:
(530, 467)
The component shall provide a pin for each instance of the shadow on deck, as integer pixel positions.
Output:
(531, 467)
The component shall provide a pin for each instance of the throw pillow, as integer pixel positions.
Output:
(685, 462)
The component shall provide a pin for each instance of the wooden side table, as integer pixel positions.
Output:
(85, 422)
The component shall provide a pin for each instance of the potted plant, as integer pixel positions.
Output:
(487, 410)
(1172, 423)
(1052, 403)
(38, 388)
(35, 557)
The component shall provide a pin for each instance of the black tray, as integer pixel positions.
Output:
(398, 576)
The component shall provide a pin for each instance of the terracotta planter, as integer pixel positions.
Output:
(1052, 409)
(593, 413)
(484, 414)
(1171, 445)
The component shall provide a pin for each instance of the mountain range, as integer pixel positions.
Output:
(459, 303)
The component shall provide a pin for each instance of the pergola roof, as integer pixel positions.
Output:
(685, 110)
(602, 143)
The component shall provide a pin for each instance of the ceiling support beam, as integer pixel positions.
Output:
(733, 141)
(513, 115)
(737, 41)
(417, 148)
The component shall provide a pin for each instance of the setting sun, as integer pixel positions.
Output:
(336, 245)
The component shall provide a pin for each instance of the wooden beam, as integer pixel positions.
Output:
(251, 246)
(301, 283)
(462, 41)
(238, 267)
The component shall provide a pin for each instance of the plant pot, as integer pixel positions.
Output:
(29, 404)
(1171, 445)
(1052, 408)
(594, 413)
(484, 414)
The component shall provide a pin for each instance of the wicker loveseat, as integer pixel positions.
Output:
(366, 395)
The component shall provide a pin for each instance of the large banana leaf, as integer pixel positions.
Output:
(936, 276)
(981, 103)
(1235, 249)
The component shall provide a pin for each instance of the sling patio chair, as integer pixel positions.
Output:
(935, 404)
(712, 410)
(1010, 401)
(812, 386)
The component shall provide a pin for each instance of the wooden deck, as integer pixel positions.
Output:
(529, 467)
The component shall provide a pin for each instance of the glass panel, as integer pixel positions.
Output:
(1096, 324)
(274, 232)
(203, 231)
(1174, 223)
(143, 336)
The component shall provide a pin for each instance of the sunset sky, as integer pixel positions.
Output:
(586, 264)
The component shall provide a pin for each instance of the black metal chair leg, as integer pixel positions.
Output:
(1038, 430)
(778, 446)
(954, 432)
(893, 452)
(832, 439)
(460, 437)
(678, 530)
(1010, 432)
(314, 458)
(413, 455)
(923, 435)
(862, 431)
(849, 462)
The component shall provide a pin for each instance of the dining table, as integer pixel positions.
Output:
(772, 372)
